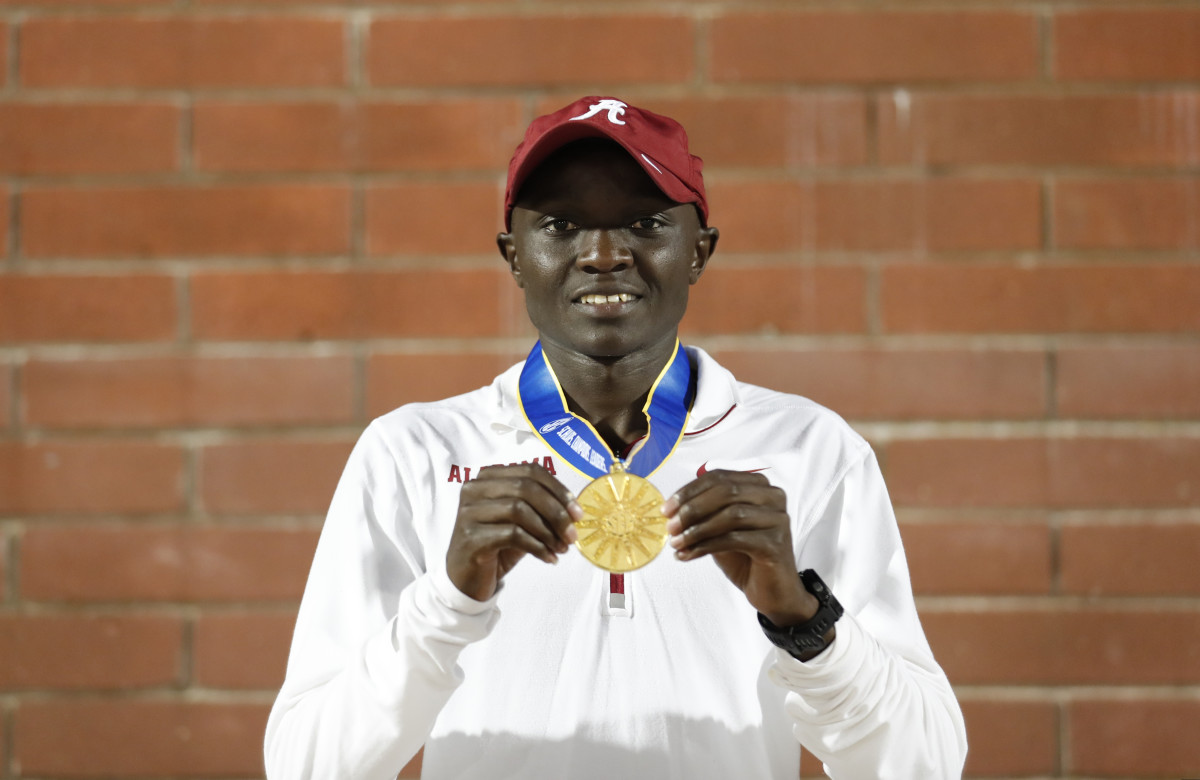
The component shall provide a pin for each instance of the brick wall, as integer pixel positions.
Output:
(232, 231)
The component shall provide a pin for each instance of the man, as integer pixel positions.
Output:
(446, 608)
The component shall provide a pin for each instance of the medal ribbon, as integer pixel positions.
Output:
(579, 444)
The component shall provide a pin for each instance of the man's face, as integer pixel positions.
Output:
(605, 258)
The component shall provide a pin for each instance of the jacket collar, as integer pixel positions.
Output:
(716, 394)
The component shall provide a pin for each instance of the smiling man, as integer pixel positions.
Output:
(520, 621)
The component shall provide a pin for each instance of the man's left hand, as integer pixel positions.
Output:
(741, 520)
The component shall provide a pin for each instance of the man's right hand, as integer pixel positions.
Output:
(505, 513)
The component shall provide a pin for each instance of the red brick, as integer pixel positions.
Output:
(128, 477)
(978, 558)
(1140, 130)
(877, 46)
(1063, 299)
(271, 477)
(769, 132)
(902, 384)
(115, 738)
(810, 765)
(1127, 45)
(170, 221)
(182, 52)
(393, 380)
(1138, 213)
(434, 218)
(413, 768)
(554, 50)
(479, 2)
(780, 299)
(928, 214)
(319, 305)
(765, 216)
(66, 4)
(274, 136)
(242, 650)
(1129, 382)
(969, 472)
(87, 308)
(272, 5)
(73, 652)
(1133, 738)
(171, 392)
(478, 134)
(40, 138)
(81, 563)
(1125, 472)
(1130, 560)
(1065, 647)
(1014, 738)
(326, 136)
(1083, 473)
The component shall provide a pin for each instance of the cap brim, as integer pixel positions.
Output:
(557, 137)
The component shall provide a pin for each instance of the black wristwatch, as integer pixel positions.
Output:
(806, 640)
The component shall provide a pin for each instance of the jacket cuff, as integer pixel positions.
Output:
(828, 675)
(434, 623)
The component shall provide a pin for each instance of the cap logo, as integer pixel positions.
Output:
(615, 109)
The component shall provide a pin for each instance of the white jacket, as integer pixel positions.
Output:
(550, 678)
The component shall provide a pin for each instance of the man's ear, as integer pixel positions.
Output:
(508, 250)
(706, 244)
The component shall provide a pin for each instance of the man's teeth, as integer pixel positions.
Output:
(619, 298)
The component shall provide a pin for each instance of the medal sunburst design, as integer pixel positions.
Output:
(622, 529)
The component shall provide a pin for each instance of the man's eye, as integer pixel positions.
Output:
(559, 225)
(648, 223)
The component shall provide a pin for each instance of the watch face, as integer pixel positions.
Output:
(817, 587)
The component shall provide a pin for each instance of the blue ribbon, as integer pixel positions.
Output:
(579, 444)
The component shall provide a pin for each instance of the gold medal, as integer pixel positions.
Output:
(622, 528)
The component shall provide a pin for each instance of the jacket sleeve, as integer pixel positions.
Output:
(875, 703)
(374, 654)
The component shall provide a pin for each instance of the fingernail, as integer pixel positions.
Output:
(572, 535)
(674, 526)
(670, 506)
(676, 541)
(575, 510)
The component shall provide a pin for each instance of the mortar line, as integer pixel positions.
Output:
(187, 654)
(1051, 380)
(7, 739)
(12, 63)
(360, 377)
(187, 135)
(13, 244)
(14, 393)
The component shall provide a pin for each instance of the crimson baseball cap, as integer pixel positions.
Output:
(658, 143)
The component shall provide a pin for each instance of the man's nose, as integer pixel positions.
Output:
(603, 252)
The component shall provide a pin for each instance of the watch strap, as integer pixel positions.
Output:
(807, 639)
